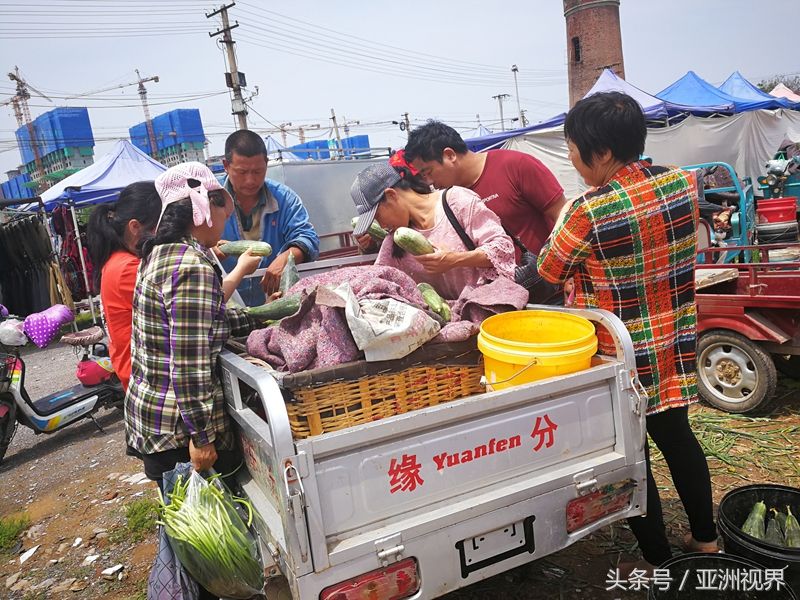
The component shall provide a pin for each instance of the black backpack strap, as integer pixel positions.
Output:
(455, 223)
(517, 242)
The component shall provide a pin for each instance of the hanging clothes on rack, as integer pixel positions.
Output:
(27, 279)
(69, 256)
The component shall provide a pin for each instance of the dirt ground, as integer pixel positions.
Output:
(76, 483)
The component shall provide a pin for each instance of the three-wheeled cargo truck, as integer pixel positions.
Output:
(426, 501)
(748, 323)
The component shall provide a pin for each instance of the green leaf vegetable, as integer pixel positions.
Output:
(210, 538)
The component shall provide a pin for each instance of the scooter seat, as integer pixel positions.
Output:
(85, 337)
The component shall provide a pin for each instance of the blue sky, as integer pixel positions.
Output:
(370, 61)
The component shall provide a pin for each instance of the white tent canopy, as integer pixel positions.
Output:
(745, 141)
(781, 91)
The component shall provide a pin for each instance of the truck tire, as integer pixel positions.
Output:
(733, 373)
(788, 364)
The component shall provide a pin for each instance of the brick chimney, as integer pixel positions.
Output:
(594, 42)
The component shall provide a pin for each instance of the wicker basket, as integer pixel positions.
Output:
(323, 400)
(333, 406)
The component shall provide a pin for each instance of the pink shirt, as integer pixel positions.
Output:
(484, 229)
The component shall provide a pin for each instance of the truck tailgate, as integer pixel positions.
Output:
(426, 468)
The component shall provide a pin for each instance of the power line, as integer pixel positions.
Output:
(365, 66)
(379, 45)
(378, 54)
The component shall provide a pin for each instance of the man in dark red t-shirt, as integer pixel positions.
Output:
(516, 186)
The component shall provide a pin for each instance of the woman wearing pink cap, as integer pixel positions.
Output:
(174, 410)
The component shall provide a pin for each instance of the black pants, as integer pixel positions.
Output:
(672, 434)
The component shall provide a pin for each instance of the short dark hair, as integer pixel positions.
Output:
(244, 143)
(428, 142)
(607, 121)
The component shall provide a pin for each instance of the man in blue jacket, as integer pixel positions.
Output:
(265, 210)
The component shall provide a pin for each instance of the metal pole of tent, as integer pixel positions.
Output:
(83, 262)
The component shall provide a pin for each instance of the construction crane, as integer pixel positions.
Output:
(148, 123)
(23, 114)
(14, 102)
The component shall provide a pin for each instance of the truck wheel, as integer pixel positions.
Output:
(733, 373)
(788, 364)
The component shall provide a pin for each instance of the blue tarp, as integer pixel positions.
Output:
(103, 180)
(706, 99)
(736, 85)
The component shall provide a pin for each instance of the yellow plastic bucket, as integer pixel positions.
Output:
(527, 345)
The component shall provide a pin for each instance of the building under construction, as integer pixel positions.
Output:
(63, 141)
(177, 136)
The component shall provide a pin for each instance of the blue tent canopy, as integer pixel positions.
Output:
(697, 92)
(103, 180)
(736, 85)
(653, 108)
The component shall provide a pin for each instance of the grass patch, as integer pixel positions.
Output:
(140, 521)
(10, 528)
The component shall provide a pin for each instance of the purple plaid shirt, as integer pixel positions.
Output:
(180, 324)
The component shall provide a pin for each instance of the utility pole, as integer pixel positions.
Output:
(336, 130)
(405, 124)
(522, 120)
(347, 124)
(237, 79)
(500, 98)
(283, 127)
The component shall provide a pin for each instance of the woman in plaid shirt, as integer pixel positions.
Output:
(630, 244)
(174, 409)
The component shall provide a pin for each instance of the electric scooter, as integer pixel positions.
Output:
(54, 411)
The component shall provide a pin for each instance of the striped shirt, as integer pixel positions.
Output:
(631, 247)
(180, 324)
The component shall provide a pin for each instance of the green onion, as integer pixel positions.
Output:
(210, 538)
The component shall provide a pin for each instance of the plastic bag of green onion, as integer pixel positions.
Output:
(210, 538)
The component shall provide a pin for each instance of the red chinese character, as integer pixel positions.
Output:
(543, 433)
(404, 476)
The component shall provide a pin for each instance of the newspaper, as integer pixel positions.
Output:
(386, 329)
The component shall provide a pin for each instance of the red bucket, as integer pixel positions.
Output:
(777, 210)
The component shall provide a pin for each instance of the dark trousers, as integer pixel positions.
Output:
(672, 434)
